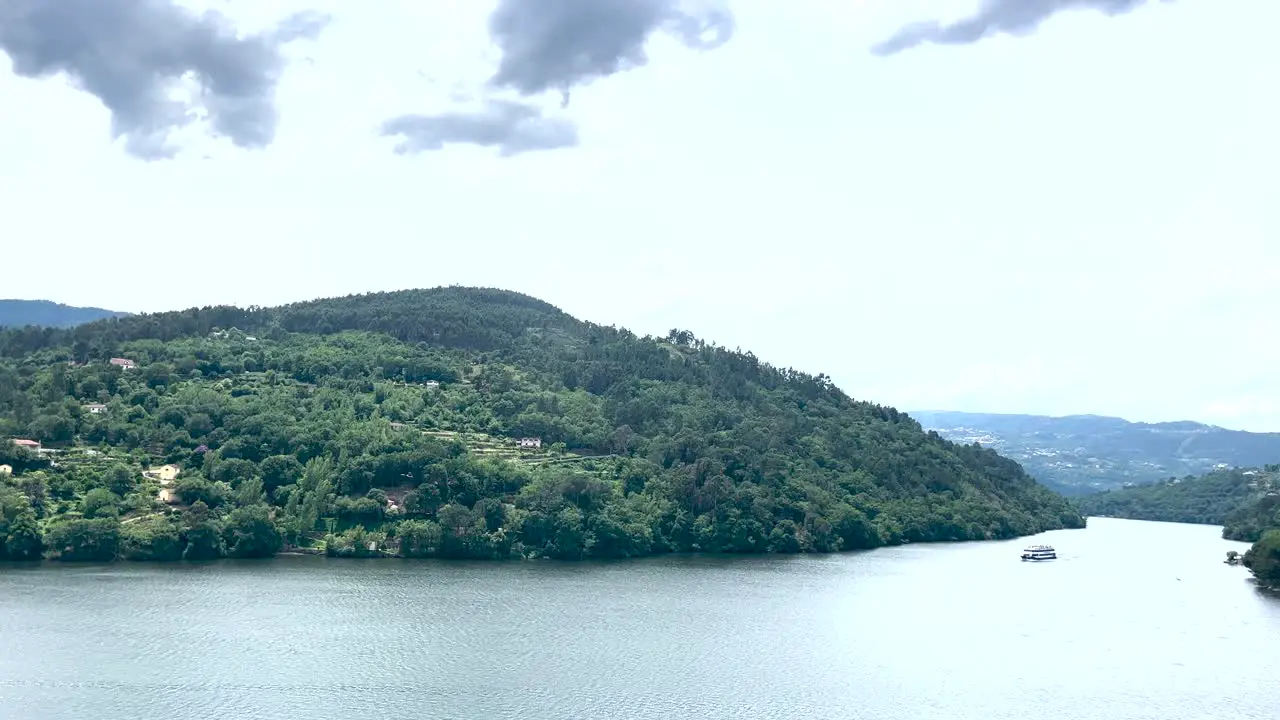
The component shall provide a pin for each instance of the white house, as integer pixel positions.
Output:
(433, 384)
(95, 408)
(530, 443)
(123, 363)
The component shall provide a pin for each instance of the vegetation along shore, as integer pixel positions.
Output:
(460, 423)
(1244, 501)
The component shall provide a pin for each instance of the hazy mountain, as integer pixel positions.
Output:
(1079, 454)
(46, 313)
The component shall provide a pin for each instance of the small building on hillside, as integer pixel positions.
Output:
(123, 363)
(32, 445)
(433, 384)
(530, 443)
(164, 473)
(6, 470)
(95, 408)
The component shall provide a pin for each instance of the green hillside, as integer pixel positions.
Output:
(387, 424)
(1211, 499)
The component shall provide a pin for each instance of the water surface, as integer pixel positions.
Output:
(1135, 620)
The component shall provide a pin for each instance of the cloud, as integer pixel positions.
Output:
(1012, 17)
(134, 54)
(561, 44)
(512, 127)
(557, 45)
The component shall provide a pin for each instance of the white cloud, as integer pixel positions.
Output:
(1013, 226)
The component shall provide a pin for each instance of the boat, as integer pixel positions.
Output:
(1039, 552)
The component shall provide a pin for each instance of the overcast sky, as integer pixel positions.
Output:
(1078, 217)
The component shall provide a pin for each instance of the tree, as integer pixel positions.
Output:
(23, 539)
(100, 503)
(151, 540)
(1263, 559)
(280, 470)
(249, 533)
(20, 536)
(418, 538)
(119, 480)
(96, 540)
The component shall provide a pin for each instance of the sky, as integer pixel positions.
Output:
(1049, 207)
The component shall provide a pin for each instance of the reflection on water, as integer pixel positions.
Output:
(1135, 620)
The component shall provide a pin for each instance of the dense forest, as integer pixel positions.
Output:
(1245, 501)
(1209, 499)
(465, 423)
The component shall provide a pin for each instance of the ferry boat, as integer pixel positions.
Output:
(1039, 552)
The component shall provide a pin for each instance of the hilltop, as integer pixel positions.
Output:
(1082, 454)
(45, 313)
(461, 422)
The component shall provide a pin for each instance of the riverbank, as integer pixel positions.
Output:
(663, 638)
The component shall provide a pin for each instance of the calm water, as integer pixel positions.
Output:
(1135, 620)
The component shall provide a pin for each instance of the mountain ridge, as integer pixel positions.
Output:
(47, 313)
(1081, 454)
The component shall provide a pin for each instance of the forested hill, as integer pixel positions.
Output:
(390, 424)
(1082, 454)
(1222, 497)
(17, 313)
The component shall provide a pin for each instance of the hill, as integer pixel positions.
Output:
(1082, 454)
(1213, 499)
(461, 422)
(17, 313)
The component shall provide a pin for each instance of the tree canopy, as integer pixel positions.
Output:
(388, 424)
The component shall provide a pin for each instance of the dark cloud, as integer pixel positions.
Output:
(512, 127)
(130, 54)
(1011, 17)
(560, 44)
(557, 45)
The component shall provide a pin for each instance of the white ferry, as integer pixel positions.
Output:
(1039, 552)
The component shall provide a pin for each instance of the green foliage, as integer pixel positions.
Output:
(151, 539)
(389, 421)
(250, 533)
(120, 480)
(20, 535)
(1263, 559)
(1248, 523)
(84, 540)
(1211, 499)
(100, 503)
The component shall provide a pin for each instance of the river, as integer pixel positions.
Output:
(1134, 620)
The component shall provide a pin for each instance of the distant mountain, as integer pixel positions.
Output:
(1081, 454)
(17, 313)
